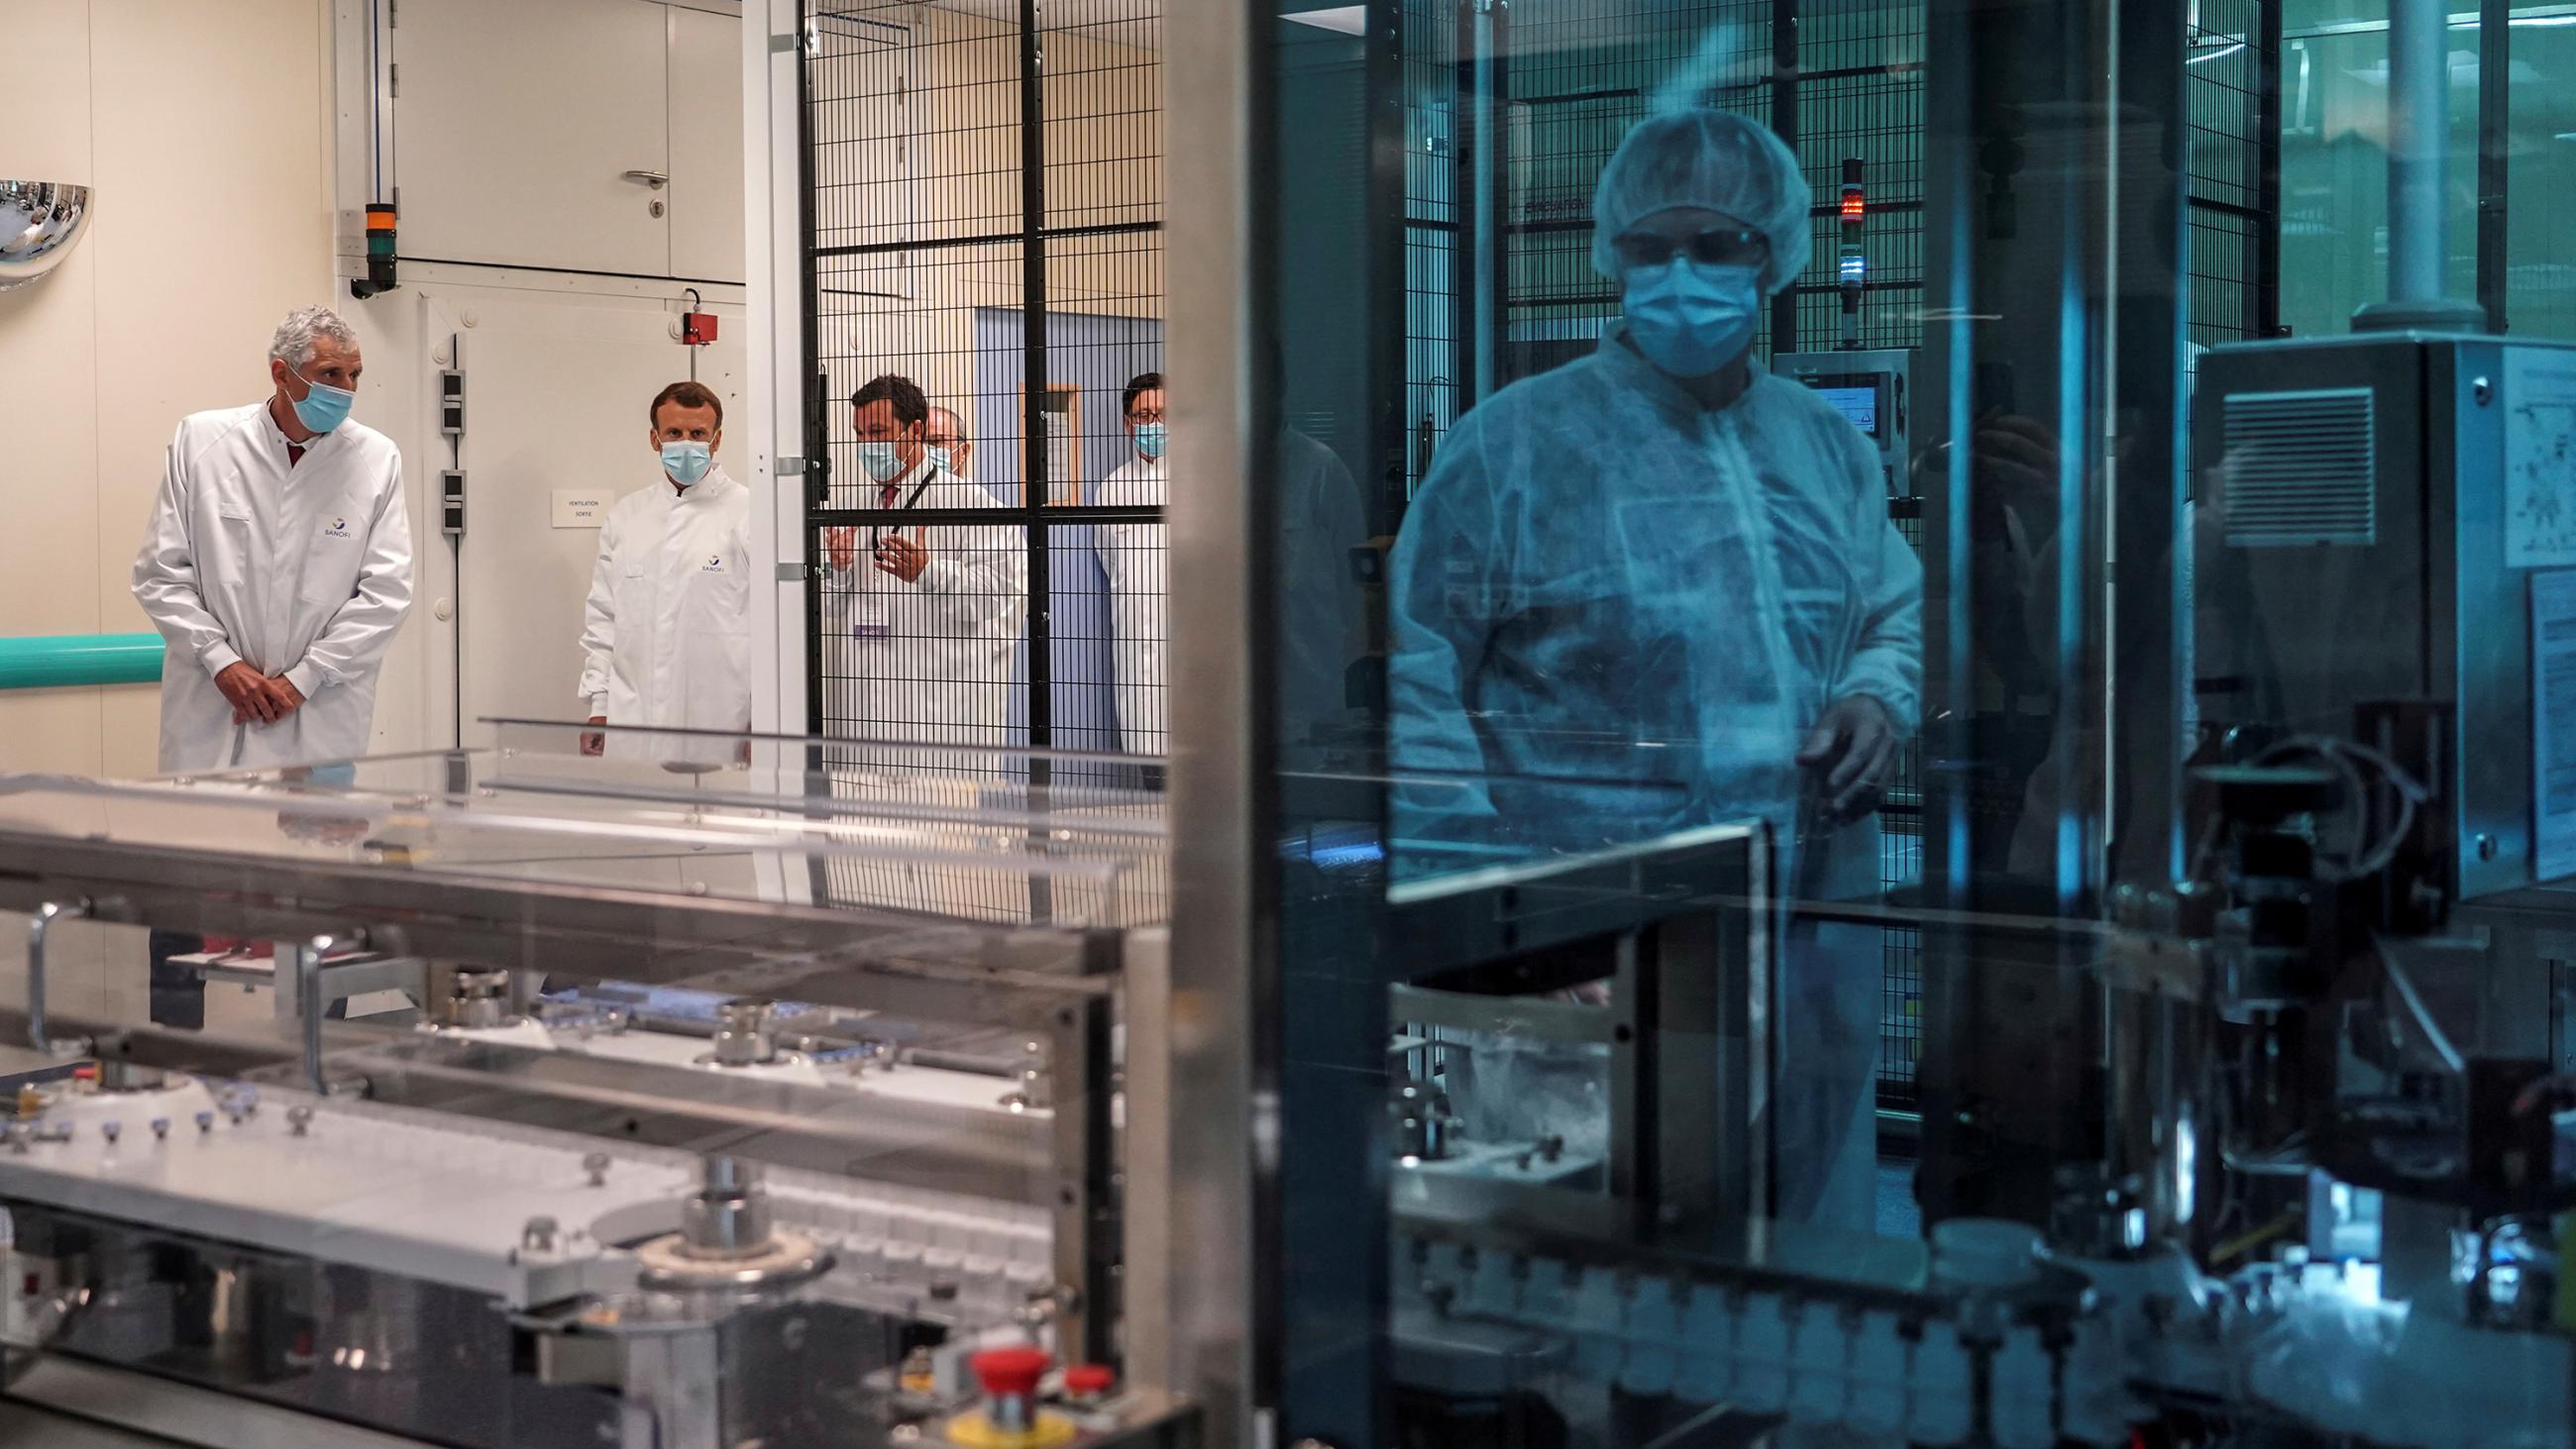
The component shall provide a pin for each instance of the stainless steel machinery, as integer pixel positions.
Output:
(775, 1101)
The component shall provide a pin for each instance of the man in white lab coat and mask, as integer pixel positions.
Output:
(278, 567)
(1131, 554)
(663, 639)
(923, 611)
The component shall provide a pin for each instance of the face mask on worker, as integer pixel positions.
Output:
(323, 407)
(946, 458)
(686, 462)
(1150, 439)
(1691, 318)
(884, 461)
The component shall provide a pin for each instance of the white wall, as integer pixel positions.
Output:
(577, 260)
(203, 128)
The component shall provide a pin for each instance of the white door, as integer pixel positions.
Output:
(556, 396)
(517, 124)
(706, 146)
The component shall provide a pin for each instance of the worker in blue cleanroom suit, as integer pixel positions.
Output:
(1657, 588)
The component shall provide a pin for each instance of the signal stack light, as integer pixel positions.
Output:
(1852, 268)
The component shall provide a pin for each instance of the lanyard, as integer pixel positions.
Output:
(876, 531)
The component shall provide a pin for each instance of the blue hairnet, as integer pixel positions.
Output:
(1706, 158)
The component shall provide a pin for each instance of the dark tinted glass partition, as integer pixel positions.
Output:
(1921, 705)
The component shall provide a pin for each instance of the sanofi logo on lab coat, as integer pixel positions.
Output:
(715, 564)
(339, 529)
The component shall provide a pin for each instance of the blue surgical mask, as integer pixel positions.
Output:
(323, 408)
(946, 458)
(1150, 439)
(687, 462)
(1691, 318)
(884, 461)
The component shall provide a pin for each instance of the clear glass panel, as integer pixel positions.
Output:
(2540, 150)
(2334, 160)
(777, 824)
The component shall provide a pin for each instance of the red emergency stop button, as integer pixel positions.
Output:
(1011, 1373)
(1090, 1380)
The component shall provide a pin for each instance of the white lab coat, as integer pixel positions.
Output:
(1132, 556)
(665, 638)
(303, 571)
(1322, 628)
(928, 661)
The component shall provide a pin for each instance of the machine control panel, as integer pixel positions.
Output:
(1872, 389)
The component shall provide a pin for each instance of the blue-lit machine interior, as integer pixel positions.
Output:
(2219, 900)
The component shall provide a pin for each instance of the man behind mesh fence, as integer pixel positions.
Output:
(921, 612)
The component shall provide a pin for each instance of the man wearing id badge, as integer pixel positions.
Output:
(924, 608)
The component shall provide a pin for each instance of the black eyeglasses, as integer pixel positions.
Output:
(1726, 246)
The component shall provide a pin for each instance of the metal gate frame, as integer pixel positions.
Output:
(1032, 514)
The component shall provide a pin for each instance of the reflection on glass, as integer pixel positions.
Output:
(1715, 620)
(1985, 500)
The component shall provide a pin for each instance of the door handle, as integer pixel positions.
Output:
(655, 179)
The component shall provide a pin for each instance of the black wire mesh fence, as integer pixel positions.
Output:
(983, 281)
(2232, 103)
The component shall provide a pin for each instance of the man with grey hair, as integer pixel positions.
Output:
(950, 445)
(278, 565)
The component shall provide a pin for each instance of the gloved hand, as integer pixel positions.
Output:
(1852, 750)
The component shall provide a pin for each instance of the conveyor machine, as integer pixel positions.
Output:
(755, 1098)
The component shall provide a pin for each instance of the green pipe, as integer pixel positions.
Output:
(64, 660)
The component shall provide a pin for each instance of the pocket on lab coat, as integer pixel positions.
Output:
(328, 583)
(631, 590)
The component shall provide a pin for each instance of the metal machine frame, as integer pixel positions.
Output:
(347, 927)
(711, 944)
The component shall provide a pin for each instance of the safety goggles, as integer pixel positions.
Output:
(1725, 246)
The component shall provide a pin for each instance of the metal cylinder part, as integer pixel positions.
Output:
(742, 1035)
(2163, 1133)
(476, 1000)
(729, 1215)
(2419, 66)
(1423, 1122)
(1034, 1085)
(116, 1074)
(2419, 124)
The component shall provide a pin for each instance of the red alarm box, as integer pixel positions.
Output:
(697, 329)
